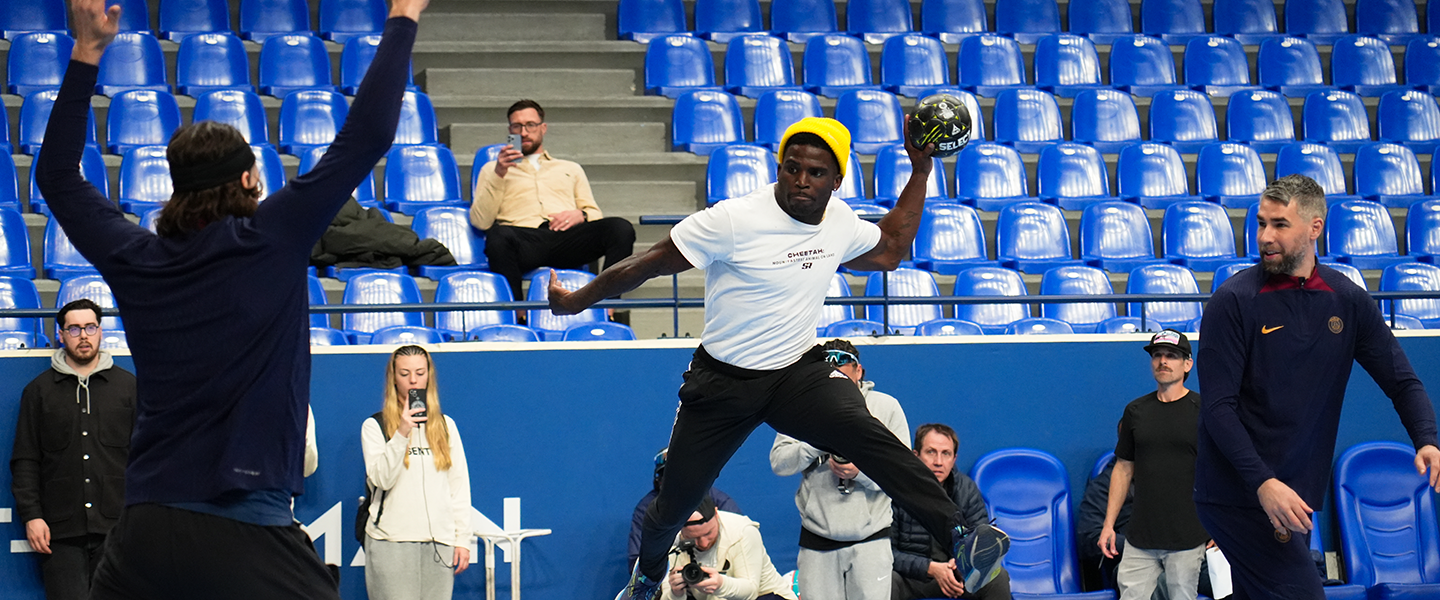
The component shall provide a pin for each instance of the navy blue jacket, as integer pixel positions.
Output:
(217, 318)
(910, 542)
(1275, 355)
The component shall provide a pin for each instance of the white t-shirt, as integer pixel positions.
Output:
(766, 274)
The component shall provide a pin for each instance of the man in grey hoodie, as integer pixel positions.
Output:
(845, 518)
(72, 439)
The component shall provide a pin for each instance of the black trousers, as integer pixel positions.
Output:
(69, 566)
(904, 588)
(1261, 567)
(161, 553)
(721, 404)
(514, 251)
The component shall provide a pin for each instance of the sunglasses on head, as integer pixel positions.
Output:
(840, 358)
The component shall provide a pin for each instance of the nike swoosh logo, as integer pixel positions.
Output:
(1264, 330)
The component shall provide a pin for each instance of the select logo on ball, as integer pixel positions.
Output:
(942, 120)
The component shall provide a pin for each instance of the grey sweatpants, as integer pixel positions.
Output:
(1140, 571)
(859, 572)
(408, 570)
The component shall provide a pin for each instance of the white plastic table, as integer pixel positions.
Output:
(514, 537)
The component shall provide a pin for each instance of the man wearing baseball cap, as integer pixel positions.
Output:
(1156, 450)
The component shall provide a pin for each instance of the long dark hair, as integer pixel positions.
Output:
(200, 143)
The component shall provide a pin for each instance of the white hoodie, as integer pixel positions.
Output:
(421, 503)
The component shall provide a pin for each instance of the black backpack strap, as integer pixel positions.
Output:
(379, 420)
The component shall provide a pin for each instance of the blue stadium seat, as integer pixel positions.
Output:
(1153, 175)
(952, 20)
(867, 210)
(1389, 174)
(404, 335)
(471, 286)
(1318, 162)
(1396, 322)
(1227, 271)
(37, 61)
(1412, 276)
(907, 283)
(21, 17)
(704, 120)
(1291, 66)
(676, 64)
(1073, 176)
(208, 62)
(1394, 21)
(94, 288)
(1360, 233)
(776, 111)
(835, 313)
(873, 117)
(326, 336)
(1230, 174)
(133, 61)
(1338, 119)
(1184, 119)
(950, 239)
(1175, 21)
(92, 168)
(242, 110)
(1164, 279)
(355, 59)
(800, 20)
(942, 327)
(1038, 326)
(990, 281)
(134, 15)
(181, 18)
(854, 328)
(316, 296)
(757, 64)
(1363, 65)
(293, 62)
(377, 287)
(877, 20)
(364, 194)
(989, 176)
(1422, 230)
(645, 20)
(852, 187)
(722, 20)
(737, 170)
(62, 260)
(1128, 325)
(1083, 317)
(1411, 118)
(19, 292)
(1142, 65)
(114, 341)
(450, 225)
(1248, 21)
(1387, 522)
(913, 65)
(1217, 66)
(310, 119)
(1028, 120)
(1032, 237)
(1260, 118)
(835, 64)
(990, 64)
(1198, 235)
(14, 245)
(1422, 62)
(483, 156)
(1105, 119)
(1252, 229)
(1066, 65)
(1350, 272)
(341, 20)
(1103, 21)
(9, 184)
(272, 171)
(1320, 21)
(262, 19)
(144, 179)
(417, 120)
(597, 332)
(35, 115)
(549, 325)
(1027, 20)
(503, 332)
(140, 118)
(418, 177)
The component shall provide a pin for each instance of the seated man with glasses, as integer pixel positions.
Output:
(538, 211)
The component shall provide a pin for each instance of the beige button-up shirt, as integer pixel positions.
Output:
(527, 195)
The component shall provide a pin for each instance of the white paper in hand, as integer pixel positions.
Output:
(1219, 568)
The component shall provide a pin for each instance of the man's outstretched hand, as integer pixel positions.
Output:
(95, 27)
(408, 8)
(560, 297)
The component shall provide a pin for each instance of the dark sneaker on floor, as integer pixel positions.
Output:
(978, 552)
(639, 588)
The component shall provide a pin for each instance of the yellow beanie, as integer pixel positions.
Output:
(833, 132)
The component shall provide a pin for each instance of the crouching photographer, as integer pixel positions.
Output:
(720, 555)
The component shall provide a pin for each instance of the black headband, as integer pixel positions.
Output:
(228, 168)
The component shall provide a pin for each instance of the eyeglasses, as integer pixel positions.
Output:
(840, 358)
(531, 127)
(74, 330)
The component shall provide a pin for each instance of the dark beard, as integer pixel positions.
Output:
(1288, 263)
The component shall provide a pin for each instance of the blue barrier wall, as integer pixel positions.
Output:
(570, 433)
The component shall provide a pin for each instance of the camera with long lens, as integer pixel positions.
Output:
(691, 573)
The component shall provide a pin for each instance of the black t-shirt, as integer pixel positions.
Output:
(1159, 437)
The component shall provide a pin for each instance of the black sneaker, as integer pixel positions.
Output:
(639, 588)
(978, 552)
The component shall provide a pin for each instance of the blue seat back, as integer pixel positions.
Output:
(133, 61)
(675, 62)
(1410, 116)
(1141, 60)
(294, 61)
(1422, 228)
(1182, 116)
(952, 19)
(852, 187)
(1388, 530)
(543, 319)
(1071, 170)
(913, 60)
(1289, 61)
(643, 20)
(705, 120)
(989, 170)
(989, 59)
(1259, 116)
(94, 288)
(272, 171)
(1422, 59)
(1164, 279)
(1066, 59)
(19, 292)
(316, 294)
(1151, 169)
(471, 286)
(799, 20)
(1244, 16)
(1316, 16)
(1027, 16)
(1230, 169)
(1412, 277)
(990, 281)
(1038, 326)
(14, 245)
(141, 118)
(341, 20)
(1335, 116)
(1077, 280)
(9, 182)
(941, 327)
(421, 174)
(1101, 16)
(1386, 17)
(903, 282)
(1360, 228)
(406, 335)
(450, 225)
(877, 16)
(1229, 270)
(737, 170)
(417, 120)
(242, 110)
(1027, 493)
(260, 19)
(355, 59)
(145, 176)
(1128, 325)
(853, 328)
(776, 111)
(1027, 116)
(503, 332)
(35, 115)
(1031, 231)
(37, 61)
(180, 18)
(720, 19)
(325, 336)
(19, 17)
(381, 287)
(598, 331)
(212, 61)
(1172, 17)
(835, 60)
(1387, 169)
(835, 313)
(1316, 161)
(364, 193)
(1361, 60)
(758, 60)
(1197, 230)
(873, 117)
(1104, 116)
(951, 232)
(892, 172)
(1350, 272)
(310, 119)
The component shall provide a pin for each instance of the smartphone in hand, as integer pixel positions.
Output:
(514, 141)
(417, 400)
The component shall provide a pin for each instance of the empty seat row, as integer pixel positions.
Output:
(259, 19)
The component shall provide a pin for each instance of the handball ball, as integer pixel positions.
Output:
(942, 120)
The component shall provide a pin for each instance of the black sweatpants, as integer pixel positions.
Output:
(515, 251)
(161, 553)
(1261, 567)
(720, 404)
(69, 566)
(904, 588)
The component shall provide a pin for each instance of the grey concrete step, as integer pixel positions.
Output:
(631, 199)
(571, 54)
(567, 138)
(492, 109)
(530, 83)
(511, 27)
